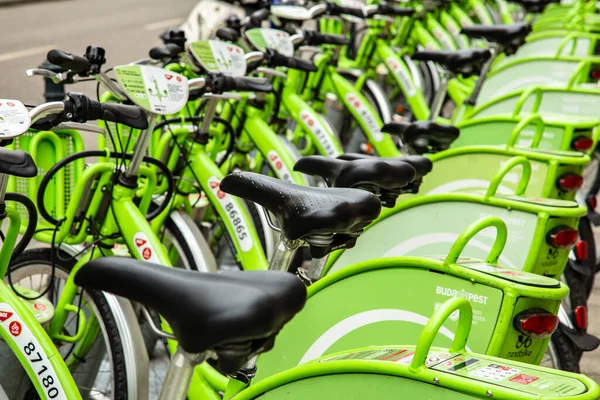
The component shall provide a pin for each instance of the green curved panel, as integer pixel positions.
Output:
(385, 312)
(431, 229)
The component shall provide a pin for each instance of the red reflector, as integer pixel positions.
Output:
(569, 182)
(581, 317)
(582, 143)
(562, 237)
(581, 250)
(537, 324)
(595, 74)
(592, 202)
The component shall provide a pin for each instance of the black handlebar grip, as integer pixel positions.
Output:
(276, 59)
(80, 108)
(227, 34)
(257, 17)
(250, 84)
(68, 61)
(170, 50)
(314, 38)
(335, 9)
(386, 9)
(132, 116)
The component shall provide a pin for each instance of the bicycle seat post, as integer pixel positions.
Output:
(284, 252)
(494, 50)
(440, 96)
(179, 374)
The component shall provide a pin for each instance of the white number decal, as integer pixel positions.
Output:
(32, 350)
(233, 214)
(323, 135)
(367, 116)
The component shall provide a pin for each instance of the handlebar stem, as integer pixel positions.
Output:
(140, 148)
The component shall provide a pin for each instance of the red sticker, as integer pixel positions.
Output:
(213, 184)
(39, 306)
(178, 78)
(168, 76)
(147, 253)
(523, 379)
(220, 194)
(10, 104)
(140, 242)
(15, 328)
(4, 315)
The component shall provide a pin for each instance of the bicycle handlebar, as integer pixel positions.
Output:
(67, 61)
(169, 50)
(79, 108)
(276, 59)
(314, 38)
(337, 10)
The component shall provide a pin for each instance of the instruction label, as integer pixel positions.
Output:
(217, 56)
(14, 118)
(154, 89)
(263, 38)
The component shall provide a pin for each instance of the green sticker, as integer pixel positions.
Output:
(508, 375)
(217, 56)
(154, 89)
(262, 38)
(512, 275)
(543, 202)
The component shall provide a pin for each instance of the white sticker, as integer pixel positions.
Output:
(14, 118)
(495, 372)
(401, 74)
(261, 38)
(232, 209)
(144, 248)
(154, 89)
(33, 352)
(294, 13)
(323, 135)
(443, 38)
(366, 116)
(281, 170)
(217, 56)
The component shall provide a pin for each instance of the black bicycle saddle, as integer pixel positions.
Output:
(464, 62)
(423, 136)
(17, 163)
(302, 212)
(535, 6)
(422, 166)
(236, 314)
(511, 37)
(375, 175)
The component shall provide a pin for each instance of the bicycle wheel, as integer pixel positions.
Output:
(561, 354)
(100, 368)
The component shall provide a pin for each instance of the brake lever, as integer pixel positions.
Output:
(145, 61)
(55, 77)
(80, 127)
(269, 72)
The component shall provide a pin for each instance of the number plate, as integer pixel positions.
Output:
(154, 89)
(14, 118)
(261, 38)
(217, 56)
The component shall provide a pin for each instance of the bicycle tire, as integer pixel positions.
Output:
(567, 355)
(63, 262)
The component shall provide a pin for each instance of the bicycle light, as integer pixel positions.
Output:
(536, 322)
(562, 237)
(581, 250)
(569, 182)
(581, 319)
(582, 143)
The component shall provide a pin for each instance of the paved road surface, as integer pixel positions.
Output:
(127, 29)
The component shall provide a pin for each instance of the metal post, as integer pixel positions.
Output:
(284, 252)
(179, 375)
